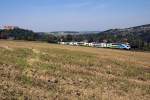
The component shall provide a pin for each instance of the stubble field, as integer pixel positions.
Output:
(42, 71)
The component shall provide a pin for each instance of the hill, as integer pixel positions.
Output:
(136, 30)
(34, 70)
(138, 37)
(63, 33)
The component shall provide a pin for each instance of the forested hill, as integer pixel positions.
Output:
(138, 37)
(141, 32)
(137, 29)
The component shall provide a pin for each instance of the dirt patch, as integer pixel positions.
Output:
(31, 61)
(6, 47)
(147, 69)
(36, 51)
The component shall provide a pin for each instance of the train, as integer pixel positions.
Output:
(99, 45)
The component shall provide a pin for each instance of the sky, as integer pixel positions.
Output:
(74, 15)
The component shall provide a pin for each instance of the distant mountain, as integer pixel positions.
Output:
(64, 32)
(71, 32)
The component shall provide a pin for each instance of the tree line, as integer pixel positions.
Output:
(138, 40)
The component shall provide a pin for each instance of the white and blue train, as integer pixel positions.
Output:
(99, 45)
(119, 46)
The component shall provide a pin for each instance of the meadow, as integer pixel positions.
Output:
(42, 71)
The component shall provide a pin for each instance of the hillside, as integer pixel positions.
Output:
(139, 32)
(137, 29)
(41, 71)
(138, 37)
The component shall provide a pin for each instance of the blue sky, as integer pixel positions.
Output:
(78, 15)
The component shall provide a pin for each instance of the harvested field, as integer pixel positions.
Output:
(42, 71)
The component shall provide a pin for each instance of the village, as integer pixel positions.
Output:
(99, 45)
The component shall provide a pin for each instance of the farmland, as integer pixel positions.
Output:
(42, 71)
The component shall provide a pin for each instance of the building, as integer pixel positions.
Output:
(10, 27)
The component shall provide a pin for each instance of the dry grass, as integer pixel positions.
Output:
(34, 70)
